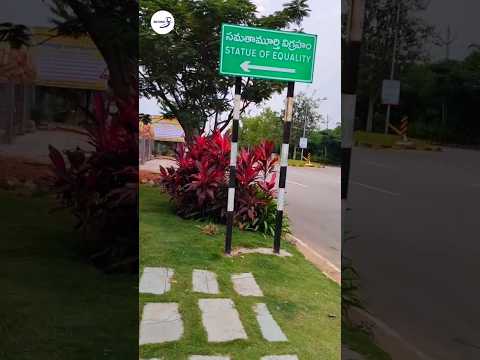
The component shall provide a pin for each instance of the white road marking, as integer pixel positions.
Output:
(375, 188)
(296, 183)
(378, 165)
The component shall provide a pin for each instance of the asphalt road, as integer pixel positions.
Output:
(415, 217)
(314, 208)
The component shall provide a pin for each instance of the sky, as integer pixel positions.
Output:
(462, 16)
(324, 21)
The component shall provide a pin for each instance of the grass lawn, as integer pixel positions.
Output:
(388, 140)
(301, 163)
(304, 302)
(54, 306)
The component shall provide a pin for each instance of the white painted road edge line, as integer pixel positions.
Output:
(296, 183)
(392, 333)
(378, 165)
(329, 264)
(375, 188)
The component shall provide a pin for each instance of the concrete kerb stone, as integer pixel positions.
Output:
(262, 251)
(221, 320)
(156, 280)
(245, 285)
(208, 357)
(205, 282)
(161, 322)
(268, 326)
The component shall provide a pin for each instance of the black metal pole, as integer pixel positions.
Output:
(349, 87)
(287, 125)
(233, 165)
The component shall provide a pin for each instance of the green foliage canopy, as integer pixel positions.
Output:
(268, 125)
(180, 69)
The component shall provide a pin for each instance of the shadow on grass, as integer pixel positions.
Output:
(55, 305)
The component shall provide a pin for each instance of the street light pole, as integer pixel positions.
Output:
(304, 130)
(305, 126)
(392, 69)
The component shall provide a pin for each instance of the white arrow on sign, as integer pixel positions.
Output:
(246, 67)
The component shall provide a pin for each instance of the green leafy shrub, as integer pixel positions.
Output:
(101, 187)
(198, 185)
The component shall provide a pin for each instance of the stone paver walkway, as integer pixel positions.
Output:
(268, 326)
(245, 285)
(205, 282)
(221, 320)
(260, 250)
(156, 280)
(161, 322)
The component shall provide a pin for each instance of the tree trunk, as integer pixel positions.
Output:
(371, 108)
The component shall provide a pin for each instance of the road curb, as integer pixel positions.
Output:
(389, 339)
(320, 261)
(400, 147)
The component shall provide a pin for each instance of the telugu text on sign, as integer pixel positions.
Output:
(268, 54)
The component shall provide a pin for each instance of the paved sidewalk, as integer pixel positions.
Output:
(34, 146)
(154, 165)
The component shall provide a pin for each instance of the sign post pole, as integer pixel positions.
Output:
(233, 165)
(287, 125)
(272, 55)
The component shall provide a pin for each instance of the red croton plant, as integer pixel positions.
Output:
(101, 186)
(198, 184)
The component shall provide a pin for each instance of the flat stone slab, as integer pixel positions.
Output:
(221, 321)
(205, 282)
(280, 357)
(203, 357)
(156, 280)
(268, 326)
(262, 251)
(245, 285)
(161, 322)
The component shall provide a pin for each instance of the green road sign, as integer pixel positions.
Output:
(267, 54)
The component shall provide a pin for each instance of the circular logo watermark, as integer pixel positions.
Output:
(162, 22)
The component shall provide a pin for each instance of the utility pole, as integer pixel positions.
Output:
(394, 58)
(304, 130)
(306, 117)
(349, 85)
(447, 41)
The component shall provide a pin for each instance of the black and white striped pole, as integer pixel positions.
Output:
(287, 125)
(233, 165)
(349, 86)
